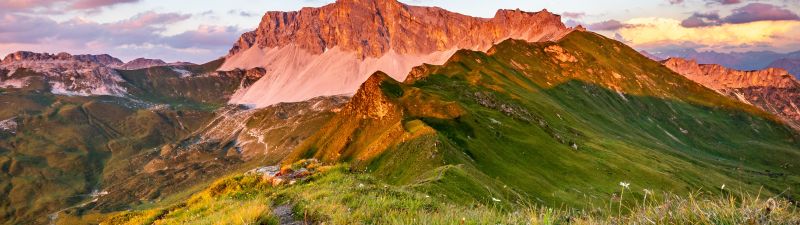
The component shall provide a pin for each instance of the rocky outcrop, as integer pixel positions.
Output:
(374, 27)
(331, 50)
(22, 56)
(144, 63)
(773, 90)
(66, 74)
(141, 63)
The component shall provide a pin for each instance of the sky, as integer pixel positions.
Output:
(203, 30)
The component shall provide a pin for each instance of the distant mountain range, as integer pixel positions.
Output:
(754, 60)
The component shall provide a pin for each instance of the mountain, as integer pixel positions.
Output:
(790, 64)
(143, 63)
(773, 90)
(65, 74)
(61, 149)
(753, 60)
(234, 139)
(650, 56)
(552, 123)
(331, 50)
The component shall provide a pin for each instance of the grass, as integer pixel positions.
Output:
(339, 196)
(518, 123)
(68, 146)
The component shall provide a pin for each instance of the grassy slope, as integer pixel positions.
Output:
(338, 196)
(511, 120)
(66, 146)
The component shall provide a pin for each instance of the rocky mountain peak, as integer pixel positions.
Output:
(717, 77)
(370, 101)
(384, 25)
(141, 63)
(332, 49)
(773, 90)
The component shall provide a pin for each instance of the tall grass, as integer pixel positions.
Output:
(340, 197)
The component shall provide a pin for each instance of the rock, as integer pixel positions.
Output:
(718, 77)
(141, 63)
(318, 52)
(773, 90)
(81, 75)
(266, 171)
(389, 24)
(277, 181)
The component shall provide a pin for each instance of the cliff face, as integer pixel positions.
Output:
(373, 27)
(773, 90)
(331, 50)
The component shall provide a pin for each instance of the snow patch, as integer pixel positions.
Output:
(9, 125)
(14, 83)
(182, 72)
(621, 95)
(69, 77)
(741, 98)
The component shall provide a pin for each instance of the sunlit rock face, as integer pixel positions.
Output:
(773, 90)
(331, 50)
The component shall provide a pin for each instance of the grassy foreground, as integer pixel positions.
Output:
(335, 195)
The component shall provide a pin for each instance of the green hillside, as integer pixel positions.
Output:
(584, 131)
(66, 147)
(556, 123)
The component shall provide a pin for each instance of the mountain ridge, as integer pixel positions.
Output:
(332, 49)
(773, 90)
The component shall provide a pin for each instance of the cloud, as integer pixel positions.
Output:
(149, 19)
(241, 13)
(574, 15)
(608, 25)
(93, 4)
(204, 37)
(675, 2)
(702, 20)
(760, 12)
(752, 12)
(54, 7)
(138, 36)
(725, 2)
(659, 32)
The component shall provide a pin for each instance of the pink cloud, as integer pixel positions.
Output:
(574, 15)
(138, 36)
(608, 25)
(760, 12)
(752, 12)
(93, 4)
(150, 18)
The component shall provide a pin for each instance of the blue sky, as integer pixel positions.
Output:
(202, 30)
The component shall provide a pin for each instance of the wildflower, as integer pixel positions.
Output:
(496, 200)
(648, 192)
(723, 187)
(624, 184)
